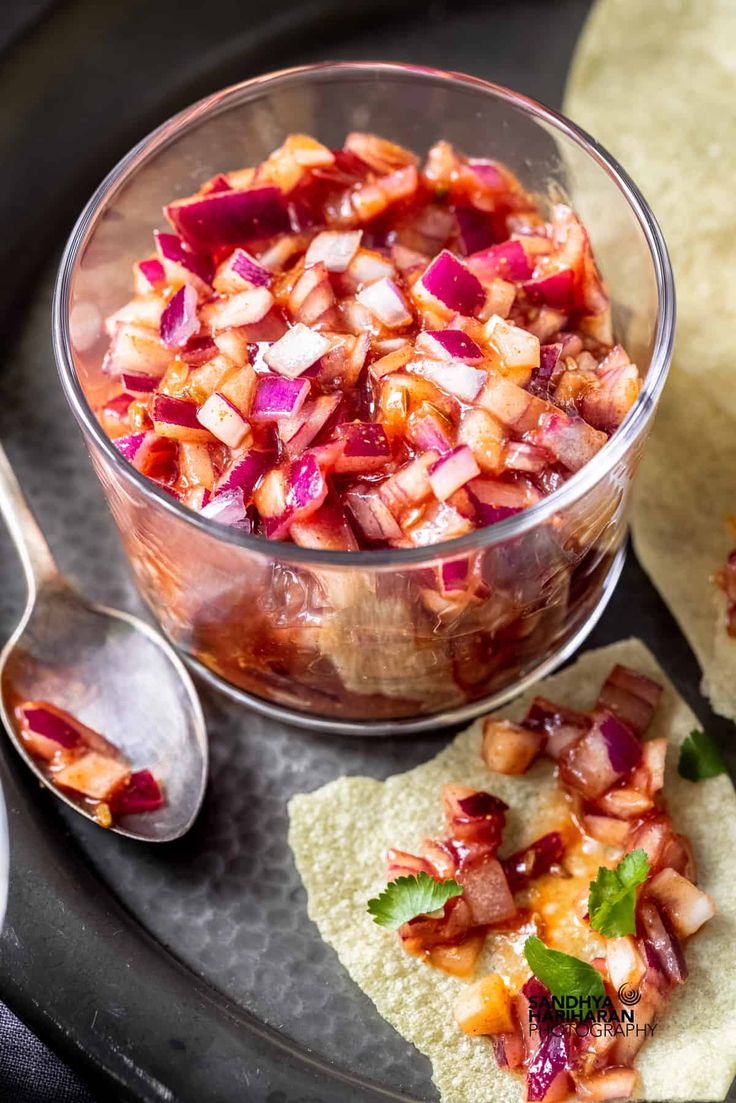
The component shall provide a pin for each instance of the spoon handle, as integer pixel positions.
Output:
(34, 552)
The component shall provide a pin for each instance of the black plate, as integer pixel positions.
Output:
(191, 972)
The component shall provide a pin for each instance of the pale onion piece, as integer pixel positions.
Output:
(454, 376)
(223, 420)
(606, 829)
(685, 906)
(452, 471)
(135, 348)
(143, 310)
(485, 436)
(654, 753)
(625, 803)
(484, 1007)
(297, 350)
(386, 302)
(508, 748)
(242, 309)
(95, 775)
(624, 962)
(517, 347)
(333, 248)
(368, 267)
(195, 463)
(609, 1084)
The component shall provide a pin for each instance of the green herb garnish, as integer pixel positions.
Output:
(563, 974)
(612, 896)
(407, 897)
(700, 758)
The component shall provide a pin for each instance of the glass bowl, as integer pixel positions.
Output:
(363, 642)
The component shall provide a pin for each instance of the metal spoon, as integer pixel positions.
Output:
(108, 669)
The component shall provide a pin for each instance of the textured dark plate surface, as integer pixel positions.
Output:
(191, 972)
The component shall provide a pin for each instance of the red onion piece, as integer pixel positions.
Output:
(549, 357)
(245, 472)
(229, 218)
(385, 301)
(247, 268)
(570, 440)
(139, 382)
(551, 1060)
(475, 229)
(449, 344)
(299, 432)
(371, 514)
(624, 749)
(327, 529)
(152, 272)
(480, 805)
(488, 175)
(495, 501)
(454, 576)
(631, 696)
(556, 289)
(130, 446)
(228, 507)
(118, 406)
(452, 471)
(173, 250)
(42, 721)
(277, 398)
(179, 320)
(533, 860)
(306, 486)
(454, 285)
(522, 456)
(141, 794)
(486, 892)
(175, 411)
(507, 261)
(366, 447)
(297, 350)
(664, 942)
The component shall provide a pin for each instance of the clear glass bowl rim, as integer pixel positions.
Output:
(575, 487)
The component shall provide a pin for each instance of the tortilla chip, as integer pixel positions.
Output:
(691, 1056)
(656, 83)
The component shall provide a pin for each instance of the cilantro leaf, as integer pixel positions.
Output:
(407, 897)
(562, 974)
(612, 896)
(700, 758)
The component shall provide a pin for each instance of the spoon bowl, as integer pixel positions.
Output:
(112, 672)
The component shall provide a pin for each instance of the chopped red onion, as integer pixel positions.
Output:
(550, 1061)
(152, 271)
(174, 252)
(43, 721)
(278, 398)
(475, 229)
(631, 696)
(175, 411)
(668, 953)
(299, 432)
(570, 440)
(452, 471)
(366, 447)
(243, 309)
(624, 749)
(229, 218)
(130, 446)
(386, 302)
(518, 347)
(228, 507)
(141, 794)
(556, 289)
(507, 261)
(481, 804)
(448, 344)
(245, 472)
(455, 377)
(139, 382)
(118, 406)
(247, 268)
(371, 514)
(454, 574)
(333, 248)
(179, 320)
(522, 456)
(488, 174)
(533, 860)
(306, 486)
(297, 350)
(448, 280)
(223, 420)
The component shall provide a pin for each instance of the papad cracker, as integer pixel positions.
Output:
(656, 84)
(692, 1055)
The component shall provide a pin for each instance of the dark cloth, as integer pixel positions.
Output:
(31, 1073)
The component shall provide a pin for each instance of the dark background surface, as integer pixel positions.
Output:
(97, 974)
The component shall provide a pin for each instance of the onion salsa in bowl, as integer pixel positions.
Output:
(344, 350)
(368, 425)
